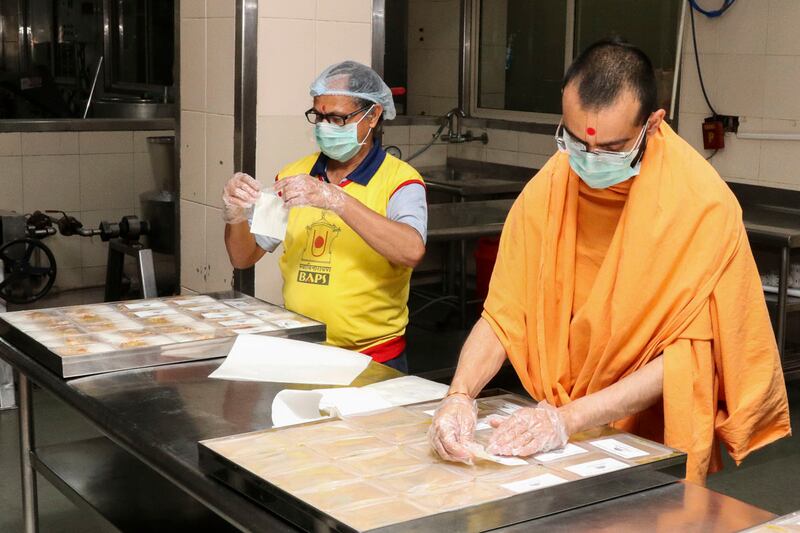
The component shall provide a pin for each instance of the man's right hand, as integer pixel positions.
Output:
(239, 194)
(452, 432)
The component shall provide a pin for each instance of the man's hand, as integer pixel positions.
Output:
(528, 431)
(452, 432)
(238, 195)
(304, 190)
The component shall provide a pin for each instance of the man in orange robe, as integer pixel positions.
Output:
(624, 291)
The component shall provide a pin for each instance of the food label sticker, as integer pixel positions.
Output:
(156, 312)
(145, 305)
(618, 448)
(241, 322)
(195, 300)
(222, 314)
(534, 483)
(567, 451)
(594, 468)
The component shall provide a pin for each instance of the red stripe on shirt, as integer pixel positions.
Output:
(385, 351)
(406, 183)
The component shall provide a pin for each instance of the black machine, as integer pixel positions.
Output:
(28, 265)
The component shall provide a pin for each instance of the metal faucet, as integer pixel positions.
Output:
(453, 119)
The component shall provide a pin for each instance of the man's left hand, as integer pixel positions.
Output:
(304, 190)
(528, 431)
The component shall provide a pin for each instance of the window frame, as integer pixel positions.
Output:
(474, 59)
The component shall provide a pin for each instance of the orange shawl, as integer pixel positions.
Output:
(678, 279)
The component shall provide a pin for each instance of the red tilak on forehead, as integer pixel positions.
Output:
(591, 131)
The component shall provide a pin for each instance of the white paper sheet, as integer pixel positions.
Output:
(299, 406)
(274, 359)
(600, 466)
(534, 483)
(409, 389)
(351, 401)
(270, 216)
(619, 448)
(479, 452)
(295, 407)
(567, 451)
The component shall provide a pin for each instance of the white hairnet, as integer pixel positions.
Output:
(350, 78)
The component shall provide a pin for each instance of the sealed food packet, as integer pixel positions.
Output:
(373, 515)
(348, 493)
(387, 461)
(347, 446)
(397, 416)
(277, 461)
(461, 496)
(426, 478)
(320, 432)
(316, 476)
(86, 349)
(629, 447)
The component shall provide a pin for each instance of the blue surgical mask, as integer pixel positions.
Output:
(599, 174)
(601, 169)
(340, 142)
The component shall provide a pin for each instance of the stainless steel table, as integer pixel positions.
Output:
(778, 228)
(460, 222)
(156, 416)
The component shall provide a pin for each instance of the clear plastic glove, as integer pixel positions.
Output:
(239, 195)
(528, 431)
(304, 190)
(452, 432)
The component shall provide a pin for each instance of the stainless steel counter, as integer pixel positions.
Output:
(158, 414)
(88, 124)
(467, 220)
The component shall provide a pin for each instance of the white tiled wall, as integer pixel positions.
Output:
(206, 152)
(750, 58)
(433, 52)
(77, 172)
(508, 147)
(297, 39)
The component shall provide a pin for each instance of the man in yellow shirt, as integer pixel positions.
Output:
(624, 291)
(357, 223)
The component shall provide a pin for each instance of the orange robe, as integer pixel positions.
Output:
(676, 278)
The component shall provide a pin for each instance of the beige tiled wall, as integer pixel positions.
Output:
(206, 152)
(93, 176)
(750, 58)
(433, 52)
(508, 147)
(297, 39)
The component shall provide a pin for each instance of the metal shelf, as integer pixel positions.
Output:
(99, 476)
(792, 303)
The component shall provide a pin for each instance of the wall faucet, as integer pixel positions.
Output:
(454, 119)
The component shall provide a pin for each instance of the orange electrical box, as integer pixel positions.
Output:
(713, 134)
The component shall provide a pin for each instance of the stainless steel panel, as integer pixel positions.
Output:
(245, 129)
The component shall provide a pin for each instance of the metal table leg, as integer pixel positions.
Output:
(462, 289)
(783, 285)
(26, 445)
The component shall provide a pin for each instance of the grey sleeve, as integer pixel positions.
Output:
(267, 243)
(409, 206)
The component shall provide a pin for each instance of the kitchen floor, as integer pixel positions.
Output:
(767, 479)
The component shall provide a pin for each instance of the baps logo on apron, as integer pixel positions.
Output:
(315, 263)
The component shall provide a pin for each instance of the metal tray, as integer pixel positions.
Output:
(486, 516)
(125, 359)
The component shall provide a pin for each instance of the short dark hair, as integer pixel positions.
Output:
(608, 67)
